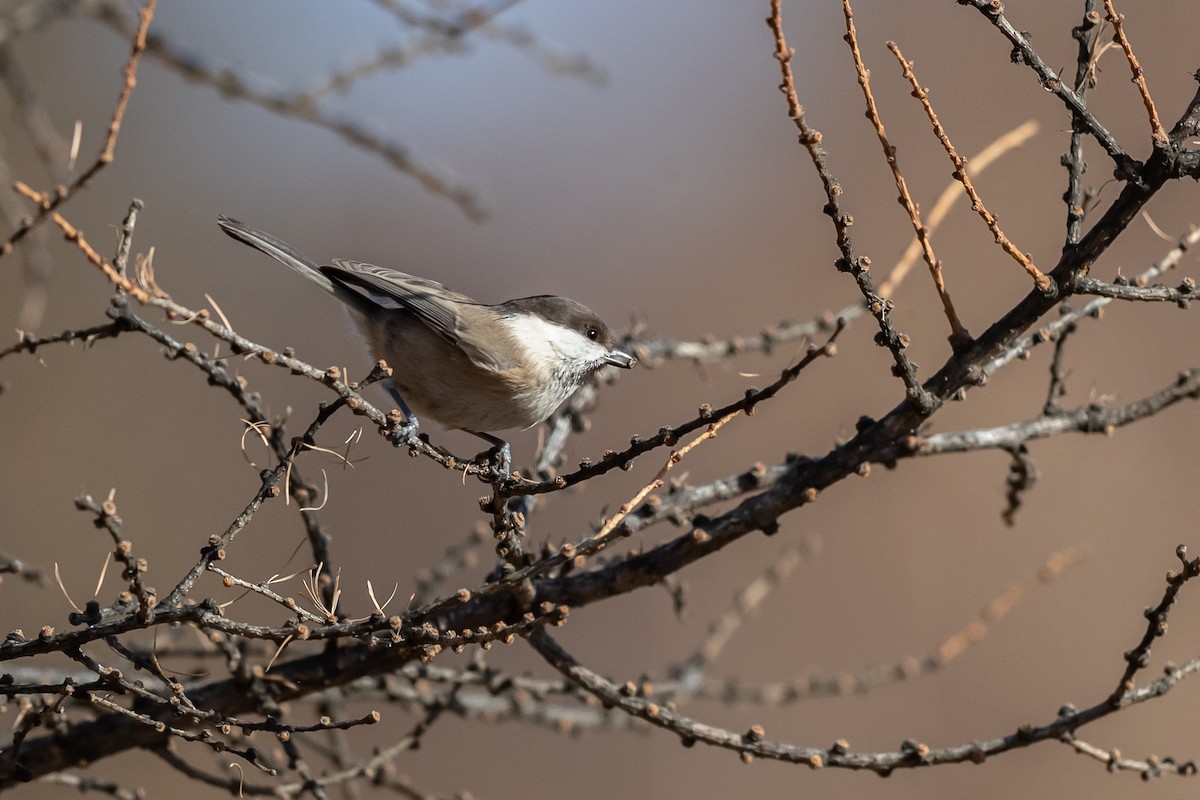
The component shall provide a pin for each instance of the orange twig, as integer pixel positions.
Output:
(783, 54)
(47, 206)
(675, 457)
(857, 266)
(1156, 127)
(73, 234)
(1054, 566)
(960, 172)
(809, 137)
(130, 74)
(976, 164)
(958, 333)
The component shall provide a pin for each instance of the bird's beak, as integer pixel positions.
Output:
(618, 358)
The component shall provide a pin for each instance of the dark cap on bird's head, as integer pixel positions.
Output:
(571, 315)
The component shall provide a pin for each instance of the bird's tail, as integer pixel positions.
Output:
(276, 249)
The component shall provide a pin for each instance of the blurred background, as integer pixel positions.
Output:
(637, 157)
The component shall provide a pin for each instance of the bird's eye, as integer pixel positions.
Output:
(593, 334)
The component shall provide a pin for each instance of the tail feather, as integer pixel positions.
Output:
(278, 250)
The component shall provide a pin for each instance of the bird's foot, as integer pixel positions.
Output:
(498, 458)
(402, 434)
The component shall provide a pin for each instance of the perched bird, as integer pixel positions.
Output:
(470, 366)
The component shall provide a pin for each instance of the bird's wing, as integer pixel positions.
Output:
(430, 301)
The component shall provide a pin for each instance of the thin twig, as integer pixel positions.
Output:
(1147, 768)
(960, 173)
(1156, 127)
(745, 604)
(954, 190)
(858, 266)
(1156, 626)
(1058, 379)
(1091, 418)
(1127, 168)
(263, 589)
(1022, 475)
(1085, 78)
(28, 343)
(1023, 346)
(959, 337)
(108, 152)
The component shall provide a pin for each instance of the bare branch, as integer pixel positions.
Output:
(1091, 418)
(47, 205)
(960, 174)
(1126, 167)
(1156, 129)
(858, 267)
(958, 334)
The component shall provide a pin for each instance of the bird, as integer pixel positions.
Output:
(470, 366)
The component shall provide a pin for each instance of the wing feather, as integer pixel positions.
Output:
(430, 301)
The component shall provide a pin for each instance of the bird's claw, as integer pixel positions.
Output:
(403, 435)
(500, 456)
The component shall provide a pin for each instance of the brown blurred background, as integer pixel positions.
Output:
(674, 194)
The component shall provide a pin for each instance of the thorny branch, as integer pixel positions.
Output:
(322, 655)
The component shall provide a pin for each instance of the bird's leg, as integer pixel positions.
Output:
(501, 451)
(411, 423)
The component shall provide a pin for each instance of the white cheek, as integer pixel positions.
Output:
(549, 345)
(534, 334)
(560, 358)
(575, 348)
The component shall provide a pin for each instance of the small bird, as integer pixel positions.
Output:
(468, 365)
